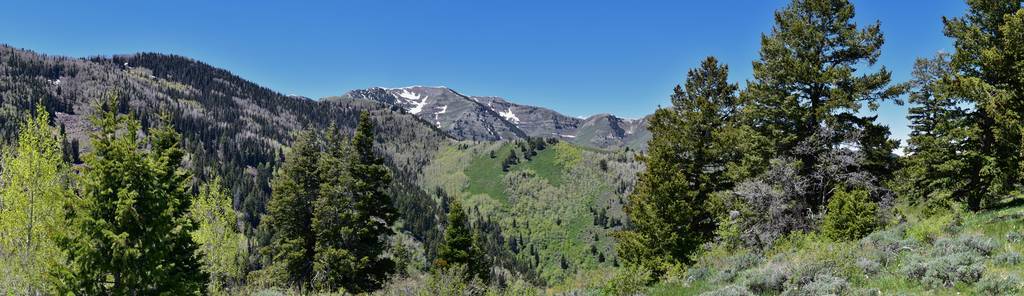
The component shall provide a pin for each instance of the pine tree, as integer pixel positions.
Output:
(807, 92)
(330, 216)
(221, 244)
(334, 217)
(460, 245)
(685, 165)
(296, 185)
(937, 157)
(33, 191)
(988, 60)
(375, 212)
(130, 230)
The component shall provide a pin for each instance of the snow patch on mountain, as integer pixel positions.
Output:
(437, 117)
(415, 99)
(508, 115)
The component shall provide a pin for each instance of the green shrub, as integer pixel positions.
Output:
(518, 287)
(730, 290)
(823, 284)
(629, 280)
(945, 271)
(869, 266)
(1014, 237)
(721, 264)
(887, 245)
(452, 281)
(965, 244)
(851, 215)
(269, 292)
(998, 285)
(1009, 258)
(770, 279)
(933, 227)
(804, 272)
(698, 273)
(951, 261)
(733, 265)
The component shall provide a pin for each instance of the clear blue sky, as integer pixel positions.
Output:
(577, 57)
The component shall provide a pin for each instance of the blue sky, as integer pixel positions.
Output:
(577, 57)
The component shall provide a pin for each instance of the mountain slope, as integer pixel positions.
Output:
(446, 109)
(230, 127)
(606, 130)
(494, 118)
(555, 209)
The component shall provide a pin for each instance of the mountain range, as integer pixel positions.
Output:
(489, 118)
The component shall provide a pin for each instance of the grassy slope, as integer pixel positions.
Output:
(546, 201)
(952, 254)
(486, 176)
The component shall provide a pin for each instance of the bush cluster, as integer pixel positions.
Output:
(951, 261)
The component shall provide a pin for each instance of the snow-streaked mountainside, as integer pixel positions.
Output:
(495, 118)
(450, 111)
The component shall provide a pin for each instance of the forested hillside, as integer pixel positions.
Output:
(153, 174)
(549, 207)
(236, 134)
(231, 127)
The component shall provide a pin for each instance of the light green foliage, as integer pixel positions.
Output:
(485, 174)
(220, 243)
(567, 156)
(559, 222)
(629, 280)
(33, 191)
(550, 166)
(130, 230)
(456, 279)
(851, 215)
(453, 281)
(932, 227)
(546, 206)
(966, 255)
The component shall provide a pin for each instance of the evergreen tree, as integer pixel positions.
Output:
(851, 215)
(334, 217)
(330, 216)
(296, 185)
(460, 245)
(374, 210)
(130, 232)
(807, 92)
(685, 164)
(221, 244)
(33, 191)
(989, 58)
(936, 154)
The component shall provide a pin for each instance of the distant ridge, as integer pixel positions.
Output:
(490, 118)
